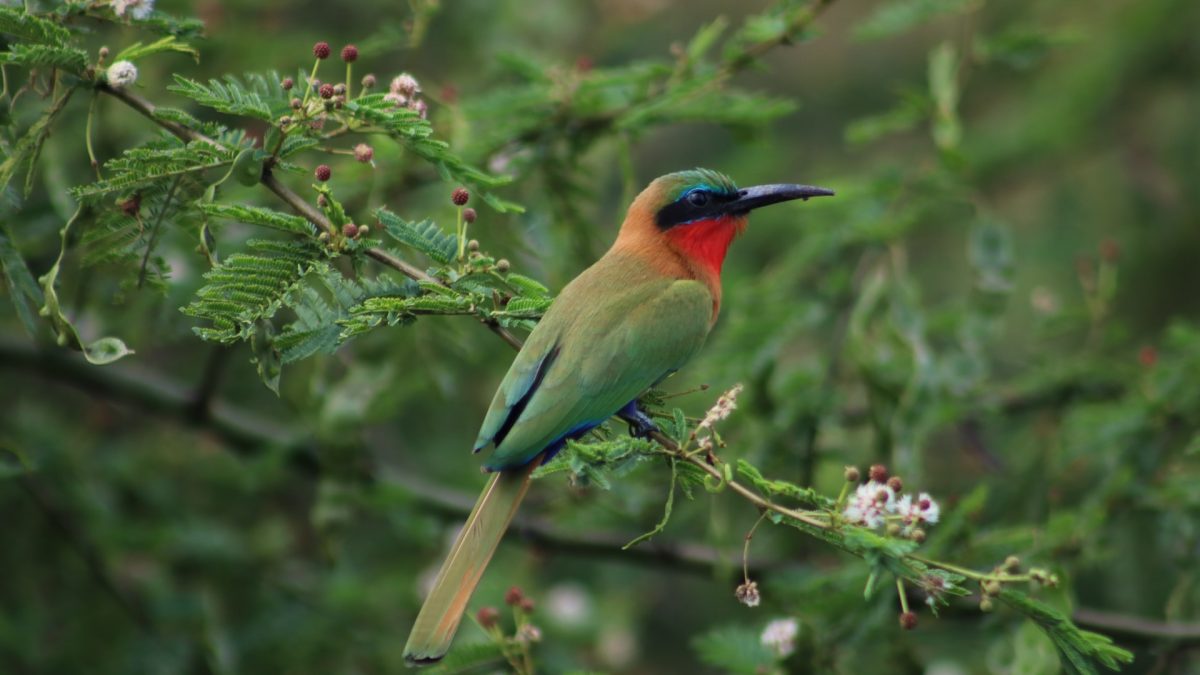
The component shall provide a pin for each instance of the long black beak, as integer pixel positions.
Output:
(752, 198)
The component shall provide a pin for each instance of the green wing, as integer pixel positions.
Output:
(596, 350)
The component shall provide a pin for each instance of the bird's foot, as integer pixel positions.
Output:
(640, 424)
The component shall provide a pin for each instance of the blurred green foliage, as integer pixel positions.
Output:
(999, 304)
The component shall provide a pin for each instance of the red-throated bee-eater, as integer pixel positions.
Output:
(624, 324)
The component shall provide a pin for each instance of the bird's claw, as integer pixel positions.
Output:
(640, 424)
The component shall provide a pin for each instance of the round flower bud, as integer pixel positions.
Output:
(364, 153)
(287, 83)
(349, 230)
(339, 89)
(405, 85)
(918, 535)
(893, 529)
(368, 81)
(103, 53)
(323, 237)
(878, 473)
(321, 50)
(895, 483)
(473, 245)
(285, 120)
(908, 620)
(852, 474)
(363, 230)
(527, 605)
(985, 604)
(748, 594)
(1012, 563)
(349, 53)
(469, 215)
(502, 265)
(460, 196)
(322, 201)
(323, 172)
(488, 617)
(513, 596)
(121, 74)
(326, 90)
(296, 103)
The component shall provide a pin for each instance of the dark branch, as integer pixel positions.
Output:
(248, 434)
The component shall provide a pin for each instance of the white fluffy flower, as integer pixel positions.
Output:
(138, 9)
(121, 74)
(921, 510)
(397, 100)
(405, 85)
(724, 406)
(871, 502)
(780, 636)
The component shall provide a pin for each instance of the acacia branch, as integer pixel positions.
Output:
(270, 181)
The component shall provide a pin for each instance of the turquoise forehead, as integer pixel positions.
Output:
(681, 182)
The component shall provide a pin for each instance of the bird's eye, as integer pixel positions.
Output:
(697, 198)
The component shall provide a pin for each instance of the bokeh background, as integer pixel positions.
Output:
(1001, 304)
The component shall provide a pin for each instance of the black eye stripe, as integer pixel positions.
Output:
(696, 204)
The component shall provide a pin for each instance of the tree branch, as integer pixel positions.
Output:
(270, 181)
(248, 434)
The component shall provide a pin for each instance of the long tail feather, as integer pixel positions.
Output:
(438, 619)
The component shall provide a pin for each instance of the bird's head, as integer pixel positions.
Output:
(697, 213)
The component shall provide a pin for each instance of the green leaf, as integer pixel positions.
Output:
(257, 215)
(30, 144)
(29, 28)
(734, 649)
(905, 115)
(25, 293)
(897, 16)
(250, 287)
(102, 351)
(943, 89)
(319, 316)
(138, 50)
(230, 96)
(424, 236)
(1080, 651)
(781, 487)
(70, 59)
(157, 162)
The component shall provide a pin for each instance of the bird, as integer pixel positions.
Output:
(633, 318)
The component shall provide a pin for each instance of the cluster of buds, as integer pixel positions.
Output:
(526, 632)
(469, 248)
(404, 92)
(879, 502)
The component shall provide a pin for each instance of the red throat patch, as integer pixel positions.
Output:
(707, 241)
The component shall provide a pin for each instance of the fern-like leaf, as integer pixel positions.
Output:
(255, 215)
(29, 28)
(62, 57)
(249, 287)
(1081, 652)
(230, 96)
(155, 162)
(317, 327)
(424, 236)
